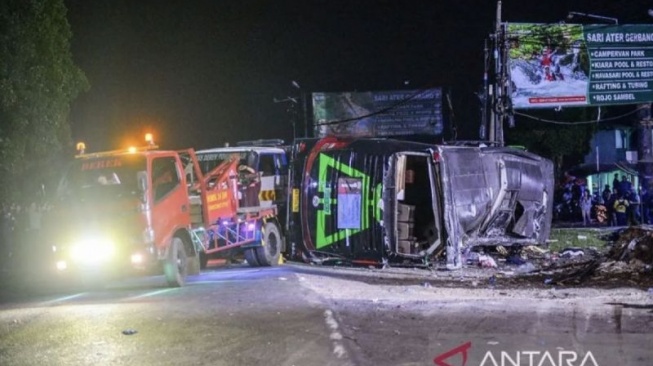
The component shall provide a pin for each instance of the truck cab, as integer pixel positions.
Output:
(124, 212)
(262, 171)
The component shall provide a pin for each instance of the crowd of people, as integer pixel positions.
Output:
(619, 204)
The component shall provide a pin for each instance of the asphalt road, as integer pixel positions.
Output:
(237, 316)
(303, 315)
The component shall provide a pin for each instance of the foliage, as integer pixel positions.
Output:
(562, 238)
(38, 81)
(532, 38)
(528, 41)
(566, 145)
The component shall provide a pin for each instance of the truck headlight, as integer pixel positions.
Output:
(62, 265)
(93, 250)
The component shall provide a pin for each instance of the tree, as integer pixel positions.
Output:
(565, 144)
(38, 81)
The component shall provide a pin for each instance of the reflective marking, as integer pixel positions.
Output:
(267, 195)
(65, 298)
(295, 200)
(217, 281)
(336, 337)
(153, 293)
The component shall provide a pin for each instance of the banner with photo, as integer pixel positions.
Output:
(554, 65)
(378, 113)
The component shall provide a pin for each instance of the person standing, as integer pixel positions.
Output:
(586, 207)
(546, 63)
(647, 199)
(620, 210)
(606, 194)
(625, 187)
(633, 208)
(612, 218)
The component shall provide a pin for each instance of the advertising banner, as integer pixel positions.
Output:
(554, 65)
(378, 113)
(349, 203)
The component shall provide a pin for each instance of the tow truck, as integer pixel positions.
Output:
(261, 168)
(128, 211)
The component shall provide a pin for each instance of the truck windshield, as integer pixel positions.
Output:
(209, 160)
(103, 176)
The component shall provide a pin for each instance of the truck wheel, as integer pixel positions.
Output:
(194, 265)
(204, 259)
(268, 253)
(175, 265)
(250, 256)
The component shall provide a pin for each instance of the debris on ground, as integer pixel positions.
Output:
(629, 258)
(485, 261)
(625, 259)
(527, 267)
(572, 253)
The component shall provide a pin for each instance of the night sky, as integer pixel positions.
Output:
(202, 73)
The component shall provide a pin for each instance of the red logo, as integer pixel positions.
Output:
(462, 349)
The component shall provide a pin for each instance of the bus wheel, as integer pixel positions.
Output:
(250, 256)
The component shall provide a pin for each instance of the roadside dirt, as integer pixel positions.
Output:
(619, 272)
(416, 317)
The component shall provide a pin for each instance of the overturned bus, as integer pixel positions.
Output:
(384, 201)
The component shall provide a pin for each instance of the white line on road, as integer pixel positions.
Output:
(336, 336)
(148, 294)
(62, 299)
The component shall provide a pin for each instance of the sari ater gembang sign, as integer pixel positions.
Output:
(579, 65)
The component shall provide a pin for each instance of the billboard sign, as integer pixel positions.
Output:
(580, 65)
(378, 113)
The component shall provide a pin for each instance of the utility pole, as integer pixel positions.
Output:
(305, 109)
(291, 109)
(496, 130)
(302, 97)
(484, 98)
(645, 145)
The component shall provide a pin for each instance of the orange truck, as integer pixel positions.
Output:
(151, 211)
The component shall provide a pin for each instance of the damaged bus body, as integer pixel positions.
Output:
(377, 201)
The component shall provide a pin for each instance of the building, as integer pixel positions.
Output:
(613, 151)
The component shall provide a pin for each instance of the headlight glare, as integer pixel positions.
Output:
(62, 265)
(93, 250)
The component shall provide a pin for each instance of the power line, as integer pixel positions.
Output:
(579, 122)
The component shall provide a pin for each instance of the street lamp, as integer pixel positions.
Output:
(573, 14)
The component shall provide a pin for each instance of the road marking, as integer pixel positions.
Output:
(62, 299)
(148, 294)
(210, 282)
(336, 336)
